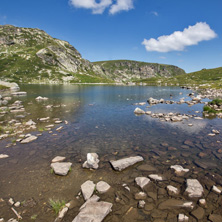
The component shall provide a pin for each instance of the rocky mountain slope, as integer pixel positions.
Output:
(126, 70)
(32, 56)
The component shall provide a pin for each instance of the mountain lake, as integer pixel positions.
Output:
(100, 119)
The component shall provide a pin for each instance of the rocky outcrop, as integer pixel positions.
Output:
(126, 70)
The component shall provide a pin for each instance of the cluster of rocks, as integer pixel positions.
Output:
(188, 199)
(194, 100)
(168, 117)
(13, 124)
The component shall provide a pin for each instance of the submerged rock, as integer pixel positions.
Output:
(61, 168)
(93, 211)
(92, 161)
(87, 189)
(125, 162)
(194, 188)
(174, 203)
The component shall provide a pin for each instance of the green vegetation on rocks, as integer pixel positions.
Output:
(215, 106)
(206, 78)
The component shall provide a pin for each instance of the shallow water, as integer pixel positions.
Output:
(101, 119)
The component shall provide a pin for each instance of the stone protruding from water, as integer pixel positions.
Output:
(2, 156)
(61, 168)
(174, 203)
(142, 181)
(102, 187)
(92, 161)
(87, 189)
(194, 188)
(29, 139)
(121, 164)
(156, 177)
(139, 111)
(172, 190)
(179, 169)
(183, 218)
(93, 211)
(58, 159)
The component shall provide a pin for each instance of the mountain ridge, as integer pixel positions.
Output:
(29, 55)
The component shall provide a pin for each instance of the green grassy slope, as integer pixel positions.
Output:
(203, 78)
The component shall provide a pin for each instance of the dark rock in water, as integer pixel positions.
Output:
(198, 213)
(205, 164)
(147, 168)
(140, 196)
(215, 218)
(174, 203)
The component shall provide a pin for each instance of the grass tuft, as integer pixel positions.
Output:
(57, 205)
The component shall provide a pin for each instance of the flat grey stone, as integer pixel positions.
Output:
(194, 188)
(29, 139)
(61, 168)
(125, 162)
(142, 181)
(102, 187)
(93, 211)
(58, 159)
(87, 189)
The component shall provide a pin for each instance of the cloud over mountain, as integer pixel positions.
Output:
(178, 40)
(99, 7)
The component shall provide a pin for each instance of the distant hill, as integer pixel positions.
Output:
(127, 70)
(204, 78)
(32, 56)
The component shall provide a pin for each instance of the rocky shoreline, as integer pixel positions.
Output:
(176, 194)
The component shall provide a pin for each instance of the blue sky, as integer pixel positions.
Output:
(185, 33)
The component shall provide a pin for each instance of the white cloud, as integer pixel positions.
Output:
(99, 6)
(179, 40)
(121, 5)
(162, 57)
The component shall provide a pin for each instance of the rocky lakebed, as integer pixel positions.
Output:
(108, 153)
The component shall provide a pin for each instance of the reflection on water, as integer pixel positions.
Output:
(101, 119)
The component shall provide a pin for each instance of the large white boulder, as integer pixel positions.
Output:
(92, 161)
(61, 168)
